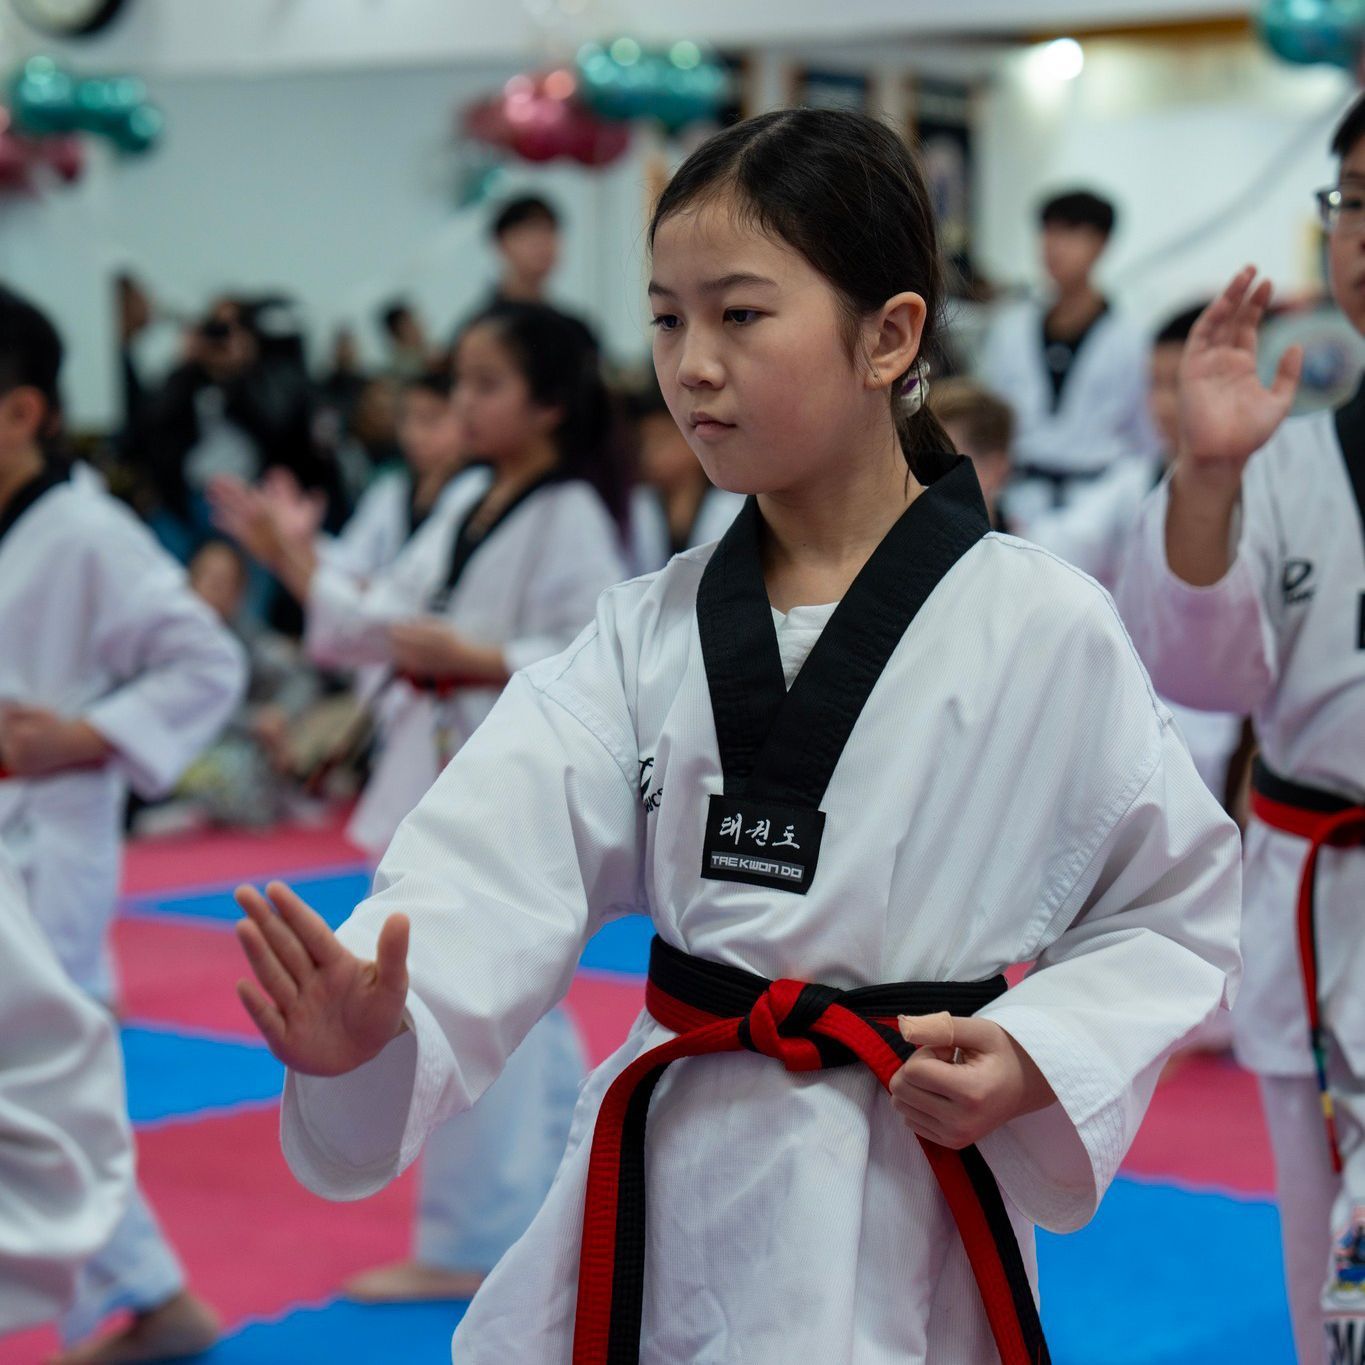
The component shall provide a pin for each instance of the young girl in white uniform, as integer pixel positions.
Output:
(1245, 591)
(506, 571)
(967, 769)
(112, 674)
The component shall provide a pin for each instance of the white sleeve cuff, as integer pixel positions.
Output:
(1055, 1164)
(345, 1137)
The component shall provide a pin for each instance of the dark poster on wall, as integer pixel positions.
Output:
(941, 126)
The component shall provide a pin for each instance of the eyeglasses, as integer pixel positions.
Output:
(1342, 210)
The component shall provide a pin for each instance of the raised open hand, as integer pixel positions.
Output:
(1226, 413)
(323, 1011)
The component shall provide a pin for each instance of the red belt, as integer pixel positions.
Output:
(714, 1008)
(1324, 820)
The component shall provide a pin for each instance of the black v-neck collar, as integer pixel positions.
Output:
(27, 494)
(467, 542)
(1350, 426)
(784, 745)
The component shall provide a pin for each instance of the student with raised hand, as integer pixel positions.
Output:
(796, 750)
(1245, 592)
(506, 571)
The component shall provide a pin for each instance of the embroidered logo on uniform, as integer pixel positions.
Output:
(1345, 1341)
(1348, 1262)
(1296, 581)
(649, 799)
(761, 843)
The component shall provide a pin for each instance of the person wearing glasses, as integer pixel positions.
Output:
(1245, 591)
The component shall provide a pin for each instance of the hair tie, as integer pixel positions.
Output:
(914, 388)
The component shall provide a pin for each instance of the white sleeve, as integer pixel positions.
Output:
(562, 596)
(1212, 648)
(1141, 949)
(372, 533)
(530, 839)
(347, 620)
(66, 1156)
(1099, 518)
(182, 674)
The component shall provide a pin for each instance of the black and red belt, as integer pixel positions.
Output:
(715, 1008)
(1325, 820)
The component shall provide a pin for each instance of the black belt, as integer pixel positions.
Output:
(715, 1009)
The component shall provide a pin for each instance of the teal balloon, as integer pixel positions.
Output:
(477, 184)
(46, 100)
(653, 85)
(43, 98)
(140, 130)
(1309, 32)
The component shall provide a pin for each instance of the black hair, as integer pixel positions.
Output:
(392, 313)
(562, 369)
(1176, 330)
(30, 354)
(1350, 130)
(1079, 208)
(526, 208)
(846, 192)
(438, 382)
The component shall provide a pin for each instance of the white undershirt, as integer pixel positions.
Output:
(797, 632)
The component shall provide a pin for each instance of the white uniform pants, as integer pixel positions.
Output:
(1322, 1214)
(486, 1172)
(136, 1270)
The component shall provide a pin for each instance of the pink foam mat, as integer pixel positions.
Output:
(253, 1241)
(227, 856)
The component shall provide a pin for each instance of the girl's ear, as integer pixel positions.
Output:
(892, 336)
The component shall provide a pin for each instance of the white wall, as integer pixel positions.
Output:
(1174, 135)
(175, 37)
(339, 187)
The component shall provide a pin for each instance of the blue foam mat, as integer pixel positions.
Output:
(1165, 1276)
(177, 1075)
(1161, 1277)
(621, 946)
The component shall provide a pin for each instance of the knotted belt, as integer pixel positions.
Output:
(1325, 820)
(714, 1008)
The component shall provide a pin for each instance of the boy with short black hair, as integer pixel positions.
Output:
(1071, 366)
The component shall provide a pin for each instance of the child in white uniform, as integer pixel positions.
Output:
(112, 674)
(506, 571)
(66, 1155)
(839, 831)
(1245, 591)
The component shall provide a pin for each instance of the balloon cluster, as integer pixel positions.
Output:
(583, 113)
(538, 119)
(676, 86)
(1311, 31)
(46, 100)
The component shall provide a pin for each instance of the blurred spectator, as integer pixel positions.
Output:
(410, 352)
(239, 402)
(1072, 368)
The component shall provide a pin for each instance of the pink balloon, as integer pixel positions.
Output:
(537, 119)
(66, 156)
(13, 163)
